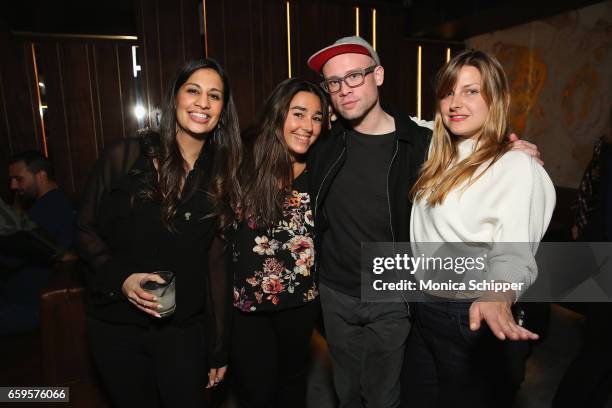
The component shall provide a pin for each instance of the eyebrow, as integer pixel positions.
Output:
(211, 89)
(475, 83)
(303, 109)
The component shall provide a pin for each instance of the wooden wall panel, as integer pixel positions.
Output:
(83, 137)
(90, 98)
(19, 91)
(20, 122)
(169, 35)
(240, 65)
(270, 46)
(315, 25)
(128, 88)
(56, 124)
(148, 37)
(216, 29)
(5, 125)
(108, 103)
(91, 91)
(434, 58)
(249, 39)
(399, 58)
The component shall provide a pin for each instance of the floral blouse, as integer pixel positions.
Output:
(273, 268)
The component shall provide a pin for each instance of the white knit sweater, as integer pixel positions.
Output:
(511, 202)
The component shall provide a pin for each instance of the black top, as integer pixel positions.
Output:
(357, 209)
(119, 232)
(55, 214)
(328, 156)
(272, 267)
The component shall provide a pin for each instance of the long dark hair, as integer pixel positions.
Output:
(225, 141)
(267, 170)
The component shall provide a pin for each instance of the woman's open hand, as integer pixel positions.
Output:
(498, 317)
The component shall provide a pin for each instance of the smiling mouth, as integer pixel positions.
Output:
(199, 117)
(457, 118)
(302, 139)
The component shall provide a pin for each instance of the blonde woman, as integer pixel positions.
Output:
(473, 189)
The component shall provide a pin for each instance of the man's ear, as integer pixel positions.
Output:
(379, 75)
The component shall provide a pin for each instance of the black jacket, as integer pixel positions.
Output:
(119, 232)
(328, 155)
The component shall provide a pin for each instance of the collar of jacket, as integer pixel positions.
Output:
(403, 126)
(151, 140)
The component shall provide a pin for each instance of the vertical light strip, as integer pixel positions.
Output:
(357, 21)
(288, 39)
(374, 28)
(205, 29)
(419, 82)
(40, 106)
(448, 54)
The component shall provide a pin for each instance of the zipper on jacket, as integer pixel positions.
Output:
(388, 194)
(314, 213)
(390, 212)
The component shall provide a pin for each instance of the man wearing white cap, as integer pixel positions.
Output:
(361, 176)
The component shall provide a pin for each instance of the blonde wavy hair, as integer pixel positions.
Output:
(440, 174)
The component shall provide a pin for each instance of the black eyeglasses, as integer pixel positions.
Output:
(352, 79)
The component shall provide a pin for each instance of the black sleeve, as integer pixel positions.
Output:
(107, 272)
(219, 303)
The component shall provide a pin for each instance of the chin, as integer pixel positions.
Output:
(462, 132)
(352, 115)
(299, 151)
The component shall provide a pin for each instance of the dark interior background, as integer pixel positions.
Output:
(82, 52)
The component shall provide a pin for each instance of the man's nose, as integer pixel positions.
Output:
(344, 89)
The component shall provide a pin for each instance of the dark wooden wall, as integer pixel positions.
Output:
(90, 95)
(248, 38)
(169, 35)
(20, 127)
(91, 92)
(90, 88)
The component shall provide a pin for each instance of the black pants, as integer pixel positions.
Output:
(366, 343)
(448, 365)
(161, 366)
(270, 356)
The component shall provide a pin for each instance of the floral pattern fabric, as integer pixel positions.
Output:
(273, 267)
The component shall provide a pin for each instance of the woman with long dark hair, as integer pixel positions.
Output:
(275, 290)
(162, 202)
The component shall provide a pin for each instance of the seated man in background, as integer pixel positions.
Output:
(33, 182)
(28, 249)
